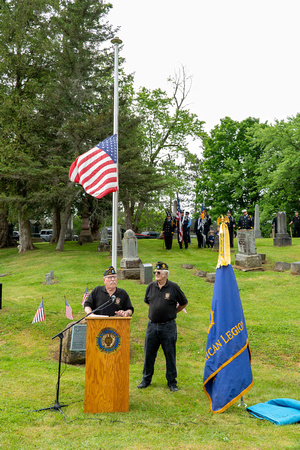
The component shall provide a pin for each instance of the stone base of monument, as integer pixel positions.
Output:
(85, 236)
(248, 262)
(129, 274)
(282, 240)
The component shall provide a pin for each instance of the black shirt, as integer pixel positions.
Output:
(163, 302)
(99, 296)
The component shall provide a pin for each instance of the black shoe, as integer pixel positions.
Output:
(143, 385)
(173, 388)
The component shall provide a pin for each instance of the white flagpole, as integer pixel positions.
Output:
(116, 41)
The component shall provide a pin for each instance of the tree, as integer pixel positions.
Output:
(229, 176)
(278, 168)
(55, 74)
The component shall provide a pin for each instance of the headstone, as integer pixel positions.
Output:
(257, 232)
(281, 266)
(70, 231)
(187, 266)
(104, 244)
(282, 239)
(295, 268)
(48, 278)
(247, 257)
(263, 257)
(216, 242)
(130, 263)
(146, 276)
(51, 273)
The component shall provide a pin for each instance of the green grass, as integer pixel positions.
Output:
(156, 418)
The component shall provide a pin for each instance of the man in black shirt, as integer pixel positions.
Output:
(296, 222)
(245, 221)
(120, 302)
(165, 300)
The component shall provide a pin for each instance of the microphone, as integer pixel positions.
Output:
(113, 298)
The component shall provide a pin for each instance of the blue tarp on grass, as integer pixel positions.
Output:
(281, 411)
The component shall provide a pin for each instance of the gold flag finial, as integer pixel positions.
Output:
(224, 243)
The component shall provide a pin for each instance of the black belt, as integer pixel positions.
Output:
(161, 323)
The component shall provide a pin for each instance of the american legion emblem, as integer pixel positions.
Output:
(108, 340)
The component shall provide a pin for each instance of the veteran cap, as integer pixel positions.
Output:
(161, 266)
(244, 210)
(110, 271)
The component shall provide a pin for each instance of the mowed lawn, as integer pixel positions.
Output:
(157, 418)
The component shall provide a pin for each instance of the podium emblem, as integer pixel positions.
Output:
(108, 340)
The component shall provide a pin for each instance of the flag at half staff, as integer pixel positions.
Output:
(227, 373)
(40, 314)
(69, 312)
(96, 170)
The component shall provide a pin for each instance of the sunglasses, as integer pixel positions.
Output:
(157, 272)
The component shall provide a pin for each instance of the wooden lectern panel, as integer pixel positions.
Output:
(107, 364)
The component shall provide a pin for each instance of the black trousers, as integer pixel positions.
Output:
(164, 335)
(296, 232)
(200, 240)
(168, 242)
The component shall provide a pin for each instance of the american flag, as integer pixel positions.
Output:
(96, 170)
(69, 312)
(85, 296)
(179, 222)
(40, 314)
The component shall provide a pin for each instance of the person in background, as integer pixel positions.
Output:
(231, 227)
(186, 225)
(198, 230)
(245, 221)
(296, 222)
(168, 231)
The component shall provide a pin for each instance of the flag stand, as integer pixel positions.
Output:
(57, 406)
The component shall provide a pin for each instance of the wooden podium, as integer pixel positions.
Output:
(107, 364)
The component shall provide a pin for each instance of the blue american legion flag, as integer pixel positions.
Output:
(40, 314)
(69, 312)
(96, 170)
(227, 373)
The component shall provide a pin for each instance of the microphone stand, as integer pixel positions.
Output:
(57, 406)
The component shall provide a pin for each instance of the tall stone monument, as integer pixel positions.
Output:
(257, 232)
(282, 238)
(130, 263)
(85, 234)
(247, 257)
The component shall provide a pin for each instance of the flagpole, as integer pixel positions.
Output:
(116, 41)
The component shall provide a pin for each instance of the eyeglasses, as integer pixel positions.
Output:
(157, 272)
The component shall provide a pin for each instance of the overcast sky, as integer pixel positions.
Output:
(243, 56)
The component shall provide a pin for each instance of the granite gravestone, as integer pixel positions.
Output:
(130, 263)
(104, 245)
(247, 257)
(282, 239)
(257, 232)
